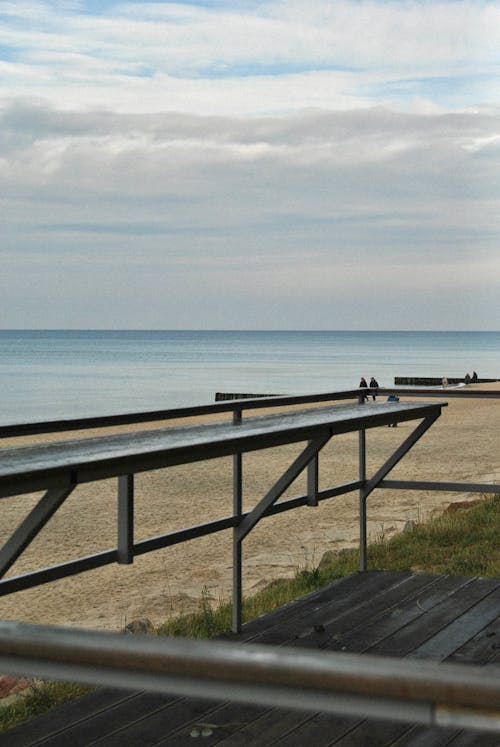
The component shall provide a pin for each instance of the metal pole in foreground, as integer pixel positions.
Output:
(237, 553)
(360, 685)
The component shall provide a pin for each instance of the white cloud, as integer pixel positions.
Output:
(266, 58)
(249, 152)
(348, 174)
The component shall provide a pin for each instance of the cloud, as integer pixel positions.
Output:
(251, 58)
(318, 162)
(322, 176)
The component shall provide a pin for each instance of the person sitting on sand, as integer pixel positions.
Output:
(373, 385)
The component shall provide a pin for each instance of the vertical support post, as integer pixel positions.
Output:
(362, 502)
(126, 519)
(362, 496)
(237, 543)
(312, 480)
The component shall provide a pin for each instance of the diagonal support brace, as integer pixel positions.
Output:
(370, 485)
(300, 463)
(400, 452)
(31, 526)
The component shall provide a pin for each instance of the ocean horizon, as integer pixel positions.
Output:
(52, 374)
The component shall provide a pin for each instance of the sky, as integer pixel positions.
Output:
(298, 164)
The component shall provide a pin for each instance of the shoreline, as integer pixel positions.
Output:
(462, 445)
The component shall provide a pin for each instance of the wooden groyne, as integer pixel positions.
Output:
(223, 396)
(398, 381)
(434, 380)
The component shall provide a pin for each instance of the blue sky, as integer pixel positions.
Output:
(288, 164)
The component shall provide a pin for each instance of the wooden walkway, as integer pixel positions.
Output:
(391, 613)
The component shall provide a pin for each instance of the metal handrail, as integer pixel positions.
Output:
(233, 406)
(425, 692)
(351, 684)
(105, 421)
(239, 521)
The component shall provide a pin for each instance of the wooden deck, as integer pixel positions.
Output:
(390, 613)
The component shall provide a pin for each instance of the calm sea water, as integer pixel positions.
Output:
(56, 374)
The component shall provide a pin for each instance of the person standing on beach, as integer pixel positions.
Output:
(363, 385)
(373, 386)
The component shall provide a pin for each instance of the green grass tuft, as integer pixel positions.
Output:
(41, 698)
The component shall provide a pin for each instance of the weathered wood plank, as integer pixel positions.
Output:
(88, 730)
(226, 720)
(264, 731)
(176, 727)
(480, 648)
(375, 619)
(434, 620)
(319, 731)
(419, 736)
(459, 631)
(332, 605)
(372, 732)
(474, 739)
(50, 724)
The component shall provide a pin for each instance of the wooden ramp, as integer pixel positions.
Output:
(391, 613)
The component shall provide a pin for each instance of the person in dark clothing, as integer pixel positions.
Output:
(467, 378)
(363, 385)
(373, 385)
(474, 377)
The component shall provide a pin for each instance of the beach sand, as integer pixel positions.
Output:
(463, 445)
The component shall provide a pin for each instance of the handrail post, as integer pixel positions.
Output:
(313, 480)
(237, 542)
(126, 519)
(362, 498)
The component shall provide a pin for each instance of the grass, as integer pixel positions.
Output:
(41, 698)
(461, 543)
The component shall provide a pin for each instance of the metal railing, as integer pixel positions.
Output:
(424, 692)
(240, 522)
(233, 406)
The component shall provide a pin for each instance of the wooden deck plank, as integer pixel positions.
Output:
(263, 731)
(76, 711)
(420, 736)
(434, 620)
(291, 610)
(319, 731)
(87, 730)
(475, 739)
(482, 647)
(460, 630)
(376, 619)
(348, 603)
(221, 718)
(372, 732)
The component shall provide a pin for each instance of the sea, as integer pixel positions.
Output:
(54, 374)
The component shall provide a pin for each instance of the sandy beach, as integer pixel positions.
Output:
(463, 445)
